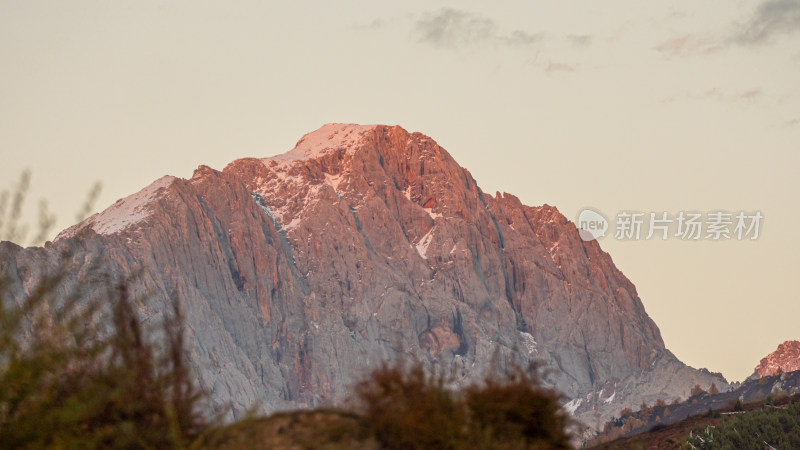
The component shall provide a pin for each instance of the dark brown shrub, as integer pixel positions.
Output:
(409, 409)
(516, 412)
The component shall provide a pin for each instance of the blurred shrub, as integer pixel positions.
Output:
(515, 411)
(85, 375)
(410, 409)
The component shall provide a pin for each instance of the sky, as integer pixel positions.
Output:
(615, 106)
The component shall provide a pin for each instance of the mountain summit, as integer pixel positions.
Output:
(300, 272)
(786, 358)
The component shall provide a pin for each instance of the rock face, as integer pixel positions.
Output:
(368, 243)
(786, 358)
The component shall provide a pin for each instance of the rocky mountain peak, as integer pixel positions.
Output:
(327, 139)
(370, 243)
(125, 213)
(786, 358)
(352, 162)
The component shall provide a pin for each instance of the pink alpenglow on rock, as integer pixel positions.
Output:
(786, 358)
(300, 272)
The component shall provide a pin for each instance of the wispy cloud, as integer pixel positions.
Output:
(373, 25)
(555, 67)
(750, 96)
(791, 123)
(772, 18)
(454, 28)
(580, 40)
(687, 44)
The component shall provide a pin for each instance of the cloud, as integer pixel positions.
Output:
(579, 40)
(554, 67)
(453, 28)
(518, 37)
(687, 44)
(374, 25)
(750, 96)
(770, 19)
(791, 123)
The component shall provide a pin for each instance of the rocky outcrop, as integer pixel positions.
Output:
(207, 242)
(786, 358)
(369, 243)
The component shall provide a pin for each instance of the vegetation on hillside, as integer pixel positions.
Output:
(773, 422)
(67, 381)
(710, 403)
(769, 426)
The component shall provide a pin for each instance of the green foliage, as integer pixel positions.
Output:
(409, 409)
(84, 375)
(778, 427)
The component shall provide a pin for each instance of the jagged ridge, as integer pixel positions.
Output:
(786, 358)
(367, 243)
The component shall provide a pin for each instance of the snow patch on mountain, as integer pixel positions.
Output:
(433, 215)
(287, 189)
(573, 405)
(330, 137)
(124, 213)
(528, 341)
(333, 181)
(422, 245)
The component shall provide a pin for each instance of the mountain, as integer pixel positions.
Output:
(776, 377)
(759, 415)
(363, 244)
(651, 421)
(786, 358)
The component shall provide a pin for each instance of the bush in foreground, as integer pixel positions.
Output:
(516, 412)
(67, 383)
(410, 409)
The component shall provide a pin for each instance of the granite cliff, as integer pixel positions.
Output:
(301, 271)
(786, 358)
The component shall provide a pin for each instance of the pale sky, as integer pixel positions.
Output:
(615, 105)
